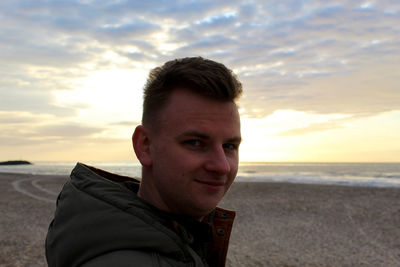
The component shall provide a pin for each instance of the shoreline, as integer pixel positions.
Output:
(277, 224)
(253, 180)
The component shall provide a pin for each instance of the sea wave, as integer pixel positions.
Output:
(352, 174)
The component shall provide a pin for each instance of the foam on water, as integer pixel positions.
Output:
(352, 174)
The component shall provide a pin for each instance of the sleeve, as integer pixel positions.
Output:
(124, 258)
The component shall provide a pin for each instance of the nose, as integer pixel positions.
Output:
(217, 162)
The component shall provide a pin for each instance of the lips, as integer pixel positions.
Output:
(211, 182)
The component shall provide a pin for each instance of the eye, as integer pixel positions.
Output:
(230, 147)
(192, 142)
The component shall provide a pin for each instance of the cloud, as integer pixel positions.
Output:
(309, 56)
(125, 123)
(316, 127)
(125, 32)
(66, 130)
(19, 129)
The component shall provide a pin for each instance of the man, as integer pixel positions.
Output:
(188, 147)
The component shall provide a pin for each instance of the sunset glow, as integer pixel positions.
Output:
(321, 80)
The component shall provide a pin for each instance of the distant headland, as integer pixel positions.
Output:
(15, 162)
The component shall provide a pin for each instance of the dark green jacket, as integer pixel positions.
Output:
(100, 221)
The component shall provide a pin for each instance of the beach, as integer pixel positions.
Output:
(277, 224)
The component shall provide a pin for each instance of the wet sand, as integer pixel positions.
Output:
(277, 224)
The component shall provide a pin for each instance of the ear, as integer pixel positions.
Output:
(141, 145)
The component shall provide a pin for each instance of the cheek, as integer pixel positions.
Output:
(234, 164)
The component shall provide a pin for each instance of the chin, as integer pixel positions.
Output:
(205, 210)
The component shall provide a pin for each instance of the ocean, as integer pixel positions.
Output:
(351, 174)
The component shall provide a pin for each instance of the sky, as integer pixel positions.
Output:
(320, 78)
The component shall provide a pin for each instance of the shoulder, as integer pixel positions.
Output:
(136, 258)
(123, 258)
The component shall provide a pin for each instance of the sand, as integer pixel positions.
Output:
(277, 224)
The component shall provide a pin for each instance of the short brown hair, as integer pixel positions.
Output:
(203, 76)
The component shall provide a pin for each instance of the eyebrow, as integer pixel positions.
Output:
(235, 140)
(194, 134)
(203, 136)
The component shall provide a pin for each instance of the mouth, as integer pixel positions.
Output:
(212, 185)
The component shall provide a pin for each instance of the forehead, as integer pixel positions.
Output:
(186, 109)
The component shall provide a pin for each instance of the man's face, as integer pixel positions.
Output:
(194, 153)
